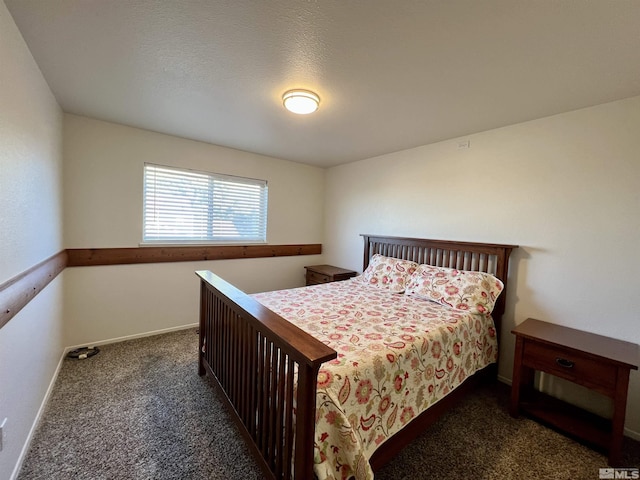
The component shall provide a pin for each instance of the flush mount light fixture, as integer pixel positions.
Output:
(300, 101)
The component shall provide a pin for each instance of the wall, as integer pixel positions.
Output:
(564, 188)
(30, 206)
(103, 175)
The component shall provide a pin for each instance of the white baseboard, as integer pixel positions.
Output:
(627, 431)
(131, 337)
(36, 421)
(632, 434)
(45, 400)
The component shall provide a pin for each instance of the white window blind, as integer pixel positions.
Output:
(187, 206)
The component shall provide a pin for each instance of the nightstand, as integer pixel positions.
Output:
(327, 273)
(599, 363)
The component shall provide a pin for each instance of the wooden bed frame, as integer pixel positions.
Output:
(251, 353)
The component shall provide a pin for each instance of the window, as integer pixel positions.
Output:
(187, 206)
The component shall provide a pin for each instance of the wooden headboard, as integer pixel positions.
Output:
(480, 257)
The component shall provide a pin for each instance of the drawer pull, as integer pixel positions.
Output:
(563, 362)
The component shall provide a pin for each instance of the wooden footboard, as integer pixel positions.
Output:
(254, 355)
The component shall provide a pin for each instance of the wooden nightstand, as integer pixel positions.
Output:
(327, 273)
(598, 363)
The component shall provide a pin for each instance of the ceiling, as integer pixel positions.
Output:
(391, 75)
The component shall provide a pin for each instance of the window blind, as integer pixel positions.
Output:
(187, 206)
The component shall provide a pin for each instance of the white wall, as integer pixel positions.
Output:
(103, 173)
(30, 210)
(565, 188)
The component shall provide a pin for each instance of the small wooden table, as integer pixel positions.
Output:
(327, 273)
(598, 363)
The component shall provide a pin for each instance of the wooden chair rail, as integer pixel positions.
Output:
(21, 289)
(82, 257)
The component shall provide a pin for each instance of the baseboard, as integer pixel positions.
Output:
(632, 434)
(131, 337)
(627, 431)
(36, 421)
(66, 350)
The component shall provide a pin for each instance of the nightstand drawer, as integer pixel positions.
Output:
(570, 365)
(313, 278)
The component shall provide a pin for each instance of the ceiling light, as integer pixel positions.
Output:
(300, 101)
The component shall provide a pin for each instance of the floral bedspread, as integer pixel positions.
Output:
(397, 355)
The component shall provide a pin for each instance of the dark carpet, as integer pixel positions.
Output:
(138, 410)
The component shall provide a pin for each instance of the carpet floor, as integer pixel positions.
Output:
(138, 410)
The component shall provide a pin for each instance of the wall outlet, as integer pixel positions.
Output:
(2, 429)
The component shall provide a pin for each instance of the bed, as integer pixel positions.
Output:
(333, 380)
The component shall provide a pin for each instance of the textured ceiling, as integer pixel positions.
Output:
(391, 74)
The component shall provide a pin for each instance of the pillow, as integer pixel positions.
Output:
(387, 272)
(474, 292)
